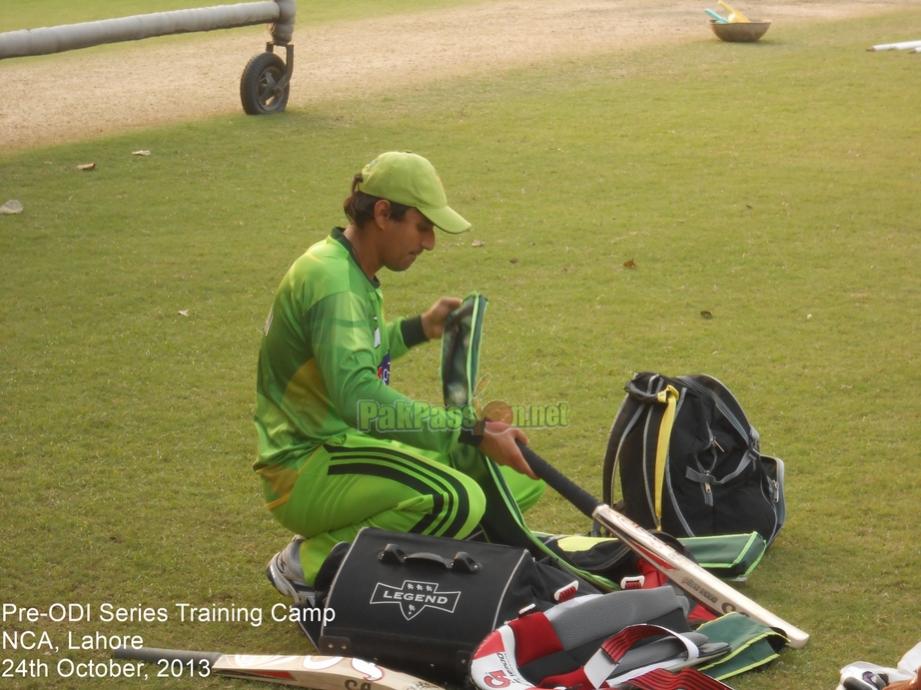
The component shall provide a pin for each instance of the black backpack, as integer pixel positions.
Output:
(687, 461)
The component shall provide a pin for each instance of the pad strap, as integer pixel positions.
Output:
(601, 669)
(686, 679)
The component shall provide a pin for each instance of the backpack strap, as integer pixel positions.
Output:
(668, 396)
(629, 413)
(708, 480)
(746, 431)
(643, 390)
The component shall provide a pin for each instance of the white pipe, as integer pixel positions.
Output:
(72, 36)
(904, 45)
(283, 29)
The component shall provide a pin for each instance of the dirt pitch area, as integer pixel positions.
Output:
(88, 93)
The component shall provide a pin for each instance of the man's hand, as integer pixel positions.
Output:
(433, 320)
(500, 445)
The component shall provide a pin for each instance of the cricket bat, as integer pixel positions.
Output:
(698, 582)
(317, 672)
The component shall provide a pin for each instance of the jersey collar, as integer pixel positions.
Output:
(338, 234)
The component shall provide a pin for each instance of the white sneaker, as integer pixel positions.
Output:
(286, 575)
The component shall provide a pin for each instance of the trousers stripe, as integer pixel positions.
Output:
(390, 473)
(409, 475)
(406, 469)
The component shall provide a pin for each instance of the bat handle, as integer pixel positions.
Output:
(153, 654)
(572, 492)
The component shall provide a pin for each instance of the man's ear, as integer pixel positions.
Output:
(381, 212)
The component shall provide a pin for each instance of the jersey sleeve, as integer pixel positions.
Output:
(398, 346)
(403, 334)
(343, 345)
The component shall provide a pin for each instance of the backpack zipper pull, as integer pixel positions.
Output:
(708, 490)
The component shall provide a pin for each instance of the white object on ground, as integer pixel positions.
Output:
(911, 660)
(903, 45)
(858, 668)
(11, 208)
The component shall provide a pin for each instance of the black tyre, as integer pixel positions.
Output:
(259, 85)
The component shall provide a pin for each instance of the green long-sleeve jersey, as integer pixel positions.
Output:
(324, 365)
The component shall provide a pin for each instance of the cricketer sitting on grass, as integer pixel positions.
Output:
(338, 448)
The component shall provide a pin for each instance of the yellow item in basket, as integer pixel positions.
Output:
(735, 17)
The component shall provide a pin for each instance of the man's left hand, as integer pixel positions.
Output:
(433, 320)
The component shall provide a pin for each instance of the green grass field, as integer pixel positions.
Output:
(774, 185)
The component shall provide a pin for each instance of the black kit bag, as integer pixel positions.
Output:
(687, 461)
(422, 604)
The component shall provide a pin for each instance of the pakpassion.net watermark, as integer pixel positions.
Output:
(404, 415)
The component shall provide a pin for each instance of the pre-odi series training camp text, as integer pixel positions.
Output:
(76, 640)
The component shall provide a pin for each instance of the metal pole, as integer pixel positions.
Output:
(72, 36)
(283, 29)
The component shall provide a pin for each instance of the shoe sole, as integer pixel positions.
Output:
(285, 586)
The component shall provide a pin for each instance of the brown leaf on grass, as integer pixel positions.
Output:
(513, 260)
(86, 166)
(706, 314)
(630, 264)
(478, 243)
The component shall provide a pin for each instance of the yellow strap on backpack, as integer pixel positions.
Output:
(669, 397)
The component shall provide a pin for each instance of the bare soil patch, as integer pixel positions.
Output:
(89, 93)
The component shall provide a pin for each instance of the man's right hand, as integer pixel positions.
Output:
(500, 444)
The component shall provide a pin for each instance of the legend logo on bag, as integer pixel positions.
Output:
(415, 596)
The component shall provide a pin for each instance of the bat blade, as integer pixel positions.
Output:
(316, 672)
(691, 577)
(680, 569)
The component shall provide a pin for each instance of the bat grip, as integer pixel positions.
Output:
(153, 654)
(572, 492)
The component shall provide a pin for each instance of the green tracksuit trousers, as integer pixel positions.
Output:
(358, 481)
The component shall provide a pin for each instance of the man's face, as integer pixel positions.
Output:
(404, 239)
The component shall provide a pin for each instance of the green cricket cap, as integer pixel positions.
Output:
(409, 179)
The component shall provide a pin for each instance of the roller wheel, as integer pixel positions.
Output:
(259, 90)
